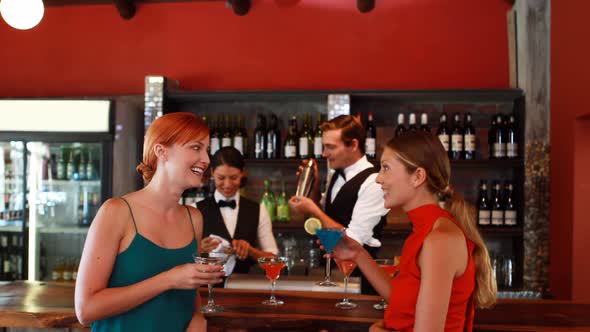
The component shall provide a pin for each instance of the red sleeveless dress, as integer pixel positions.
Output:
(401, 311)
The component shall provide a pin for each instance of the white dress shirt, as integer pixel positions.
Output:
(266, 239)
(368, 209)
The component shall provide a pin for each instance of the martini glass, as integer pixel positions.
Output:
(329, 237)
(218, 259)
(272, 266)
(345, 267)
(388, 265)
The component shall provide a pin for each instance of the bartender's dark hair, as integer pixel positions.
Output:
(169, 129)
(228, 156)
(419, 149)
(352, 128)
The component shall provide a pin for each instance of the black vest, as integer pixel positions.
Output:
(341, 208)
(246, 227)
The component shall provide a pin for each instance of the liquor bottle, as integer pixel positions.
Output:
(399, 129)
(412, 122)
(500, 139)
(511, 138)
(497, 208)
(226, 139)
(371, 138)
(260, 137)
(273, 138)
(214, 136)
(443, 132)
(483, 205)
(318, 148)
(90, 170)
(283, 209)
(456, 138)
(468, 138)
(268, 200)
(304, 138)
(82, 166)
(291, 140)
(5, 273)
(61, 166)
(509, 207)
(492, 137)
(70, 166)
(239, 138)
(424, 122)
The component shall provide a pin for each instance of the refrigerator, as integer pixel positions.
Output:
(55, 172)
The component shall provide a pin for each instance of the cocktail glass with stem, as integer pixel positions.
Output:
(388, 265)
(272, 266)
(219, 259)
(329, 237)
(346, 267)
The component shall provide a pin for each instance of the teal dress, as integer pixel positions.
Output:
(171, 310)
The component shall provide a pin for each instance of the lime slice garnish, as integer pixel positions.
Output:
(311, 224)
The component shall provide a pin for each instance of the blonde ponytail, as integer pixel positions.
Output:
(485, 285)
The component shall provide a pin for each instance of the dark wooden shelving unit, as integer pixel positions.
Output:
(385, 104)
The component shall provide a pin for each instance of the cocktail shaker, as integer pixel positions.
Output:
(306, 178)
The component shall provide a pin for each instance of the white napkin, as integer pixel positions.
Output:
(222, 247)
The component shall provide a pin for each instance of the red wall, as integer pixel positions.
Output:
(570, 79)
(280, 44)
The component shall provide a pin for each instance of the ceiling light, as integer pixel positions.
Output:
(22, 14)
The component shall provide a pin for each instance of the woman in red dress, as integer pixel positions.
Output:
(445, 270)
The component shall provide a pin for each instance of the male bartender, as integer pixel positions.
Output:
(353, 199)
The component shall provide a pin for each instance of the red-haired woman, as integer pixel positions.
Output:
(137, 272)
(445, 268)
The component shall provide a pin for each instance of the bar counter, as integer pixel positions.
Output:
(51, 305)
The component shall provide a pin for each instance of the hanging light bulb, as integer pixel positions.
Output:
(22, 14)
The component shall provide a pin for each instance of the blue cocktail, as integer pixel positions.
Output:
(329, 237)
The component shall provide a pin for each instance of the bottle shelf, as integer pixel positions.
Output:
(476, 163)
(49, 230)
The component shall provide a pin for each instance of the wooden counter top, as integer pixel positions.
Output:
(51, 305)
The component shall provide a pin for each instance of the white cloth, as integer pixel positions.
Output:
(369, 207)
(266, 239)
(222, 247)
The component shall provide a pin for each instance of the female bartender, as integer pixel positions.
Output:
(244, 223)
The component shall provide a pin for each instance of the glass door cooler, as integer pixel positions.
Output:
(55, 172)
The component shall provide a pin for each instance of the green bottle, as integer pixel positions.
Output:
(269, 202)
(283, 210)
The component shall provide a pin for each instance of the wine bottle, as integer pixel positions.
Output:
(483, 206)
(497, 208)
(273, 138)
(443, 132)
(399, 129)
(260, 137)
(239, 138)
(412, 122)
(511, 138)
(304, 138)
(318, 148)
(268, 201)
(371, 138)
(214, 142)
(500, 139)
(456, 138)
(61, 165)
(509, 206)
(468, 138)
(70, 166)
(492, 137)
(424, 122)
(283, 209)
(291, 140)
(226, 139)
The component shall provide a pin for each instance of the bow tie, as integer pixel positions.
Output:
(230, 204)
(340, 172)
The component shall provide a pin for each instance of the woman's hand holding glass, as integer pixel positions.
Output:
(192, 276)
(346, 249)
